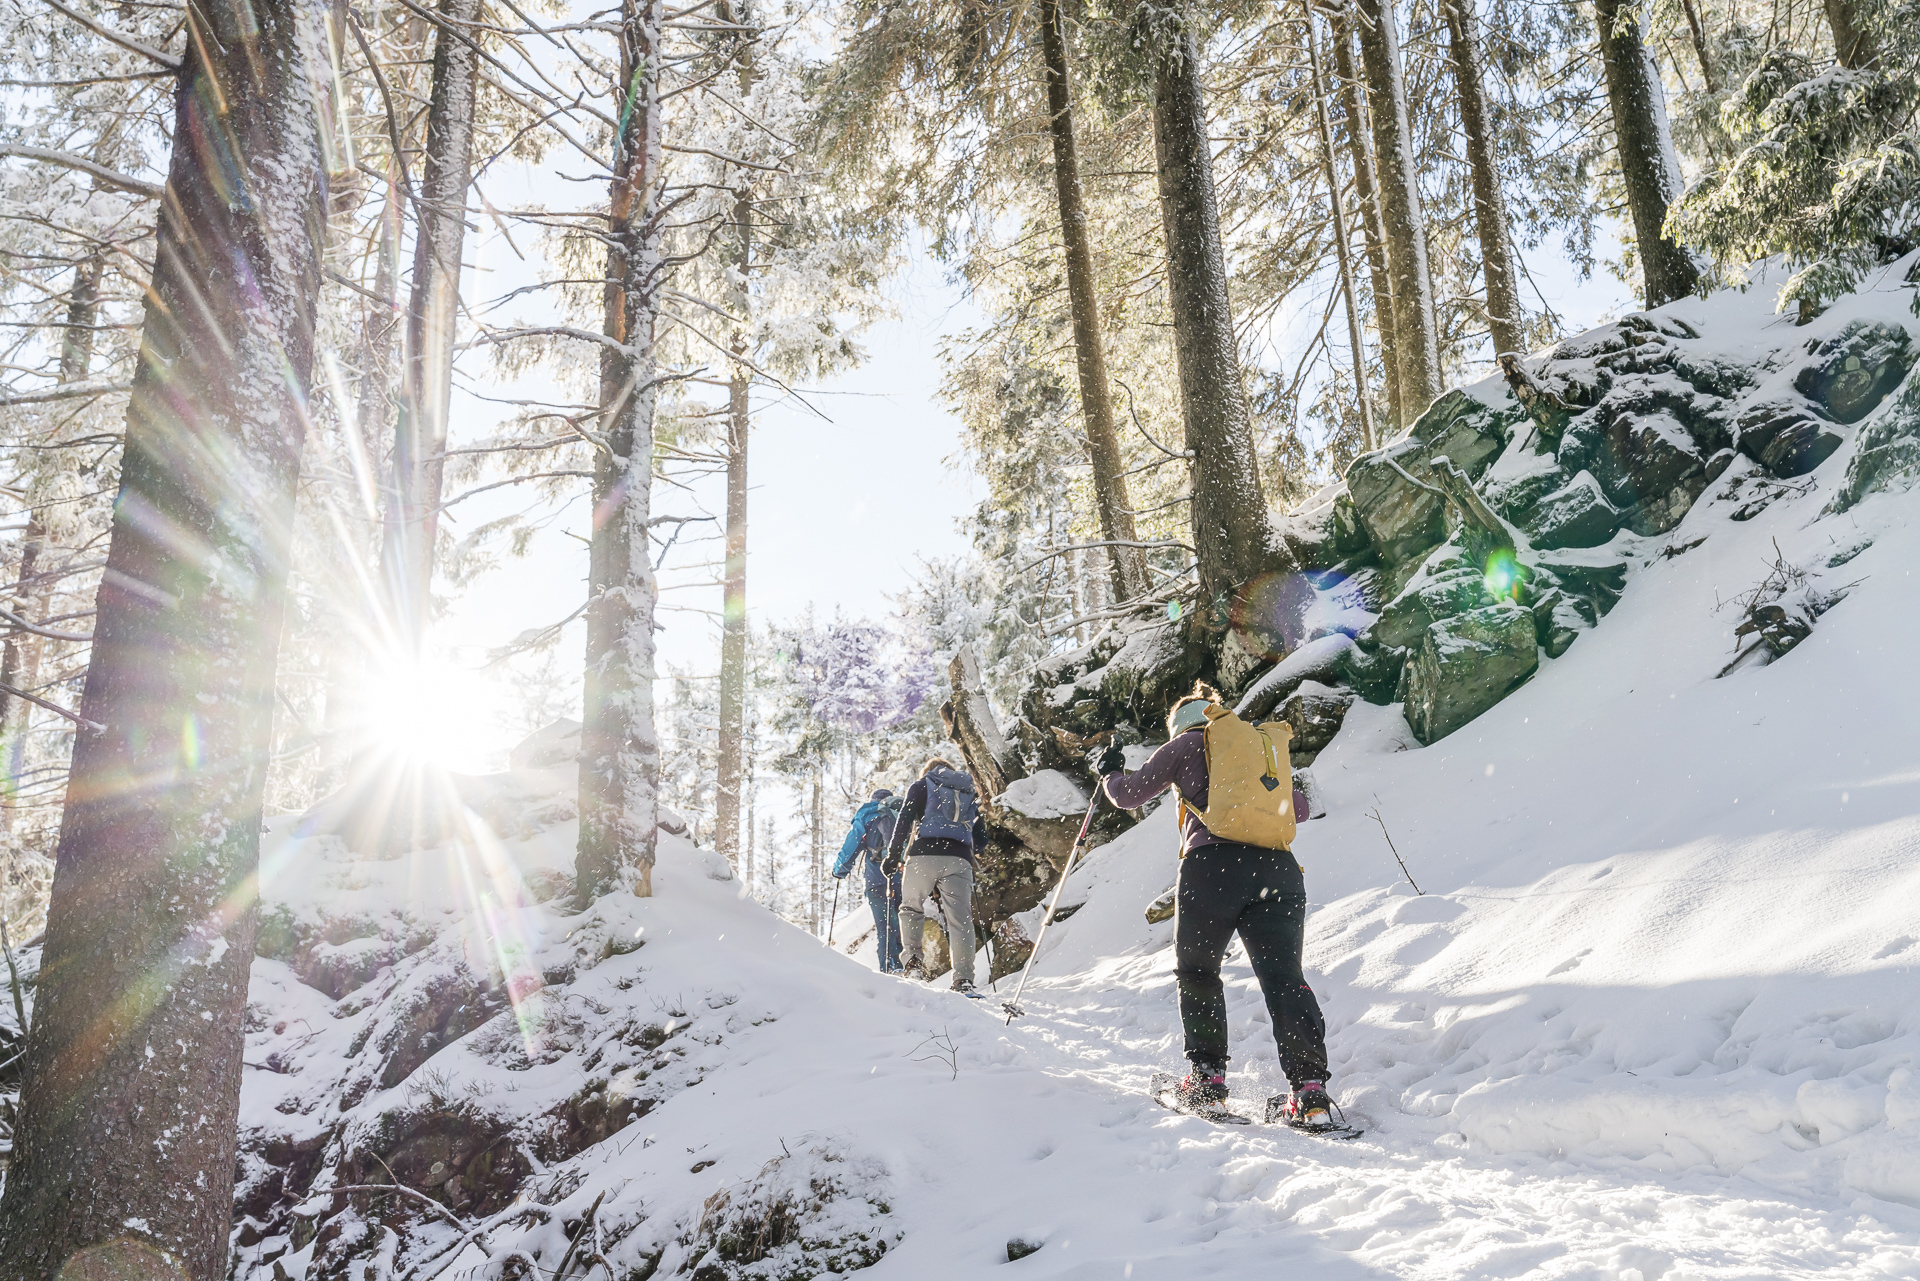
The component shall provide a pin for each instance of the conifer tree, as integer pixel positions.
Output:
(125, 1149)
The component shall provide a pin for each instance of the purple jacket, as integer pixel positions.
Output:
(1180, 764)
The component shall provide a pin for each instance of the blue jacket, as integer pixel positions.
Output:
(874, 843)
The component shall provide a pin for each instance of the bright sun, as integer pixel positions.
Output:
(417, 713)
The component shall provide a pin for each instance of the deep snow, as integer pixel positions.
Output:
(1656, 1015)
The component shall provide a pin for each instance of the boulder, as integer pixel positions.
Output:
(1852, 372)
(1439, 593)
(1317, 660)
(1784, 437)
(1316, 713)
(1886, 448)
(1658, 471)
(1575, 515)
(1466, 664)
(1402, 516)
(1373, 670)
(1044, 810)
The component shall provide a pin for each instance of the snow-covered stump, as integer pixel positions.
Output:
(620, 748)
(124, 1154)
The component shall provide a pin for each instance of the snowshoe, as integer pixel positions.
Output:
(1204, 1097)
(1311, 1110)
(969, 991)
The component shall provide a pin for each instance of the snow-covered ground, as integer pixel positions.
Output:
(1657, 1014)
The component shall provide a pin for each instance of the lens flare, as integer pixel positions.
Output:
(1503, 576)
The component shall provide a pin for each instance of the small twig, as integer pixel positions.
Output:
(944, 1051)
(1374, 814)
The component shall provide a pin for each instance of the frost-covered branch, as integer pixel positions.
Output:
(120, 38)
(111, 178)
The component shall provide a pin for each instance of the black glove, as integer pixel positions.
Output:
(892, 866)
(1112, 761)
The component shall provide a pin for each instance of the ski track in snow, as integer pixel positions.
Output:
(1657, 1016)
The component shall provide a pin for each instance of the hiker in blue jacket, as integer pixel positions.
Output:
(867, 837)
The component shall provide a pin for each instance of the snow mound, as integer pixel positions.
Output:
(1045, 794)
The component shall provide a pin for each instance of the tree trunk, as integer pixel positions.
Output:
(20, 663)
(1339, 215)
(1504, 319)
(733, 623)
(1853, 44)
(990, 759)
(1110, 498)
(1648, 166)
(124, 1153)
(731, 738)
(1365, 187)
(1231, 535)
(619, 748)
(420, 440)
(1416, 338)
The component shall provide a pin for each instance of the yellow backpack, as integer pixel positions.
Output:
(1249, 781)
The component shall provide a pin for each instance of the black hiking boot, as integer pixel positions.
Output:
(1309, 1107)
(1202, 1089)
(915, 971)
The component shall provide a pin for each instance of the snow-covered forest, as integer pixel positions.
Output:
(420, 832)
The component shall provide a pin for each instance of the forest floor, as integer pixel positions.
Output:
(1656, 1015)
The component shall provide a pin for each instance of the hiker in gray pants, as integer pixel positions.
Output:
(942, 818)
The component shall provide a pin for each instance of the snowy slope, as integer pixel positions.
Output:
(1656, 1016)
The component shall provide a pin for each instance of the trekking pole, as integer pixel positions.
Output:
(1012, 1007)
(836, 913)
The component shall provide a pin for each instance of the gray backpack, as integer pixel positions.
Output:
(952, 807)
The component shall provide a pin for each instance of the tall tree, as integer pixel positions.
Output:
(1335, 208)
(1232, 538)
(124, 1153)
(20, 662)
(1416, 336)
(1366, 192)
(733, 605)
(420, 438)
(1649, 169)
(1504, 320)
(1111, 501)
(619, 747)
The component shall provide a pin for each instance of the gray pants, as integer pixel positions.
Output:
(953, 877)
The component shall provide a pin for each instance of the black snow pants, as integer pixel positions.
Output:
(1261, 894)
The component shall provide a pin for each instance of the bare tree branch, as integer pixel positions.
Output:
(106, 177)
(120, 38)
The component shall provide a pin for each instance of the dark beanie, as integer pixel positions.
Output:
(880, 795)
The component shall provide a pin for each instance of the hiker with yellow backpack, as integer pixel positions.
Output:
(1237, 875)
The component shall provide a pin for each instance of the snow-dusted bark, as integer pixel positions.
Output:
(1231, 536)
(1649, 168)
(1127, 565)
(1367, 195)
(420, 437)
(124, 1152)
(619, 747)
(1851, 22)
(20, 661)
(1489, 202)
(1416, 337)
(730, 765)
